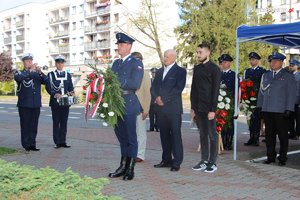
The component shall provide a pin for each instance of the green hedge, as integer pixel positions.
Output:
(26, 182)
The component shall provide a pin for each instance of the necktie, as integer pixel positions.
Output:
(274, 73)
(121, 61)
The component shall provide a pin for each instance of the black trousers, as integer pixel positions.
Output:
(294, 129)
(60, 116)
(153, 117)
(170, 137)
(254, 127)
(275, 123)
(29, 119)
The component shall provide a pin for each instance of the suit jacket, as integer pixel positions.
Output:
(29, 88)
(277, 94)
(297, 78)
(143, 93)
(255, 76)
(54, 85)
(205, 87)
(130, 74)
(169, 89)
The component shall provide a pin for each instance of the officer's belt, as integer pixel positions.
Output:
(126, 92)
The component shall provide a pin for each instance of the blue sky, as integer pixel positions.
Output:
(6, 4)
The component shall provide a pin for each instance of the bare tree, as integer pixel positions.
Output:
(147, 23)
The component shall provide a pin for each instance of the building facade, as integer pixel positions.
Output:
(283, 11)
(83, 31)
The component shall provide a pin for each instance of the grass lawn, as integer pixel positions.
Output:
(5, 150)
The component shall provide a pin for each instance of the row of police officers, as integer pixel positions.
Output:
(58, 84)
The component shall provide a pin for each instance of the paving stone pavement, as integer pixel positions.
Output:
(95, 153)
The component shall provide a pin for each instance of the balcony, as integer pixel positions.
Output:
(103, 27)
(20, 37)
(58, 20)
(7, 28)
(60, 50)
(90, 14)
(59, 34)
(90, 46)
(91, 62)
(105, 44)
(19, 24)
(103, 10)
(7, 40)
(88, 29)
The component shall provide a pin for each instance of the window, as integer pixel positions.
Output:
(73, 56)
(283, 16)
(74, 10)
(269, 3)
(298, 14)
(81, 56)
(73, 41)
(117, 18)
(283, 2)
(81, 8)
(81, 24)
(74, 26)
(81, 41)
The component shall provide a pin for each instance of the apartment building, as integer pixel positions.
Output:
(81, 30)
(283, 11)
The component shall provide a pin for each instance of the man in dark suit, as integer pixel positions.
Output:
(228, 79)
(29, 103)
(166, 90)
(130, 73)
(276, 100)
(254, 74)
(61, 86)
(204, 99)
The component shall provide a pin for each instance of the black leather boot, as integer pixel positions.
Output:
(121, 170)
(250, 141)
(229, 142)
(129, 174)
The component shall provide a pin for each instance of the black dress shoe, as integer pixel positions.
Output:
(174, 168)
(162, 164)
(64, 145)
(157, 130)
(269, 162)
(150, 130)
(33, 148)
(281, 163)
(27, 148)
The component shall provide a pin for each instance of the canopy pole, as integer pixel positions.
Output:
(236, 97)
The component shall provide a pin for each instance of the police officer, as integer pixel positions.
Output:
(60, 85)
(294, 131)
(254, 73)
(277, 100)
(228, 78)
(153, 107)
(29, 82)
(130, 74)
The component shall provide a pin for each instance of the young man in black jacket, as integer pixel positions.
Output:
(204, 99)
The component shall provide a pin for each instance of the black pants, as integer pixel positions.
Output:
(275, 123)
(294, 129)
(170, 136)
(60, 116)
(153, 117)
(254, 127)
(29, 119)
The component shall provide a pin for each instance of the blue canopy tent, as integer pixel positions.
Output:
(284, 35)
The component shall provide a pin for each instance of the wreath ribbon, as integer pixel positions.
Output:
(97, 85)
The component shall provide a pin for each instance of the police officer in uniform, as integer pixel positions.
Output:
(29, 82)
(60, 85)
(277, 100)
(254, 73)
(228, 78)
(130, 74)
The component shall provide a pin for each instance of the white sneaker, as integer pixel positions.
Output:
(200, 166)
(211, 168)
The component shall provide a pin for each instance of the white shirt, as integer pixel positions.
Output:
(167, 69)
(125, 57)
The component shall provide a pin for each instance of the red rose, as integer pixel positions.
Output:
(217, 112)
(243, 84)
(245, 96)
(243, 90)
(224, 113)
(219, 129)
(249, 83)
(91, 76)
(252, 93)
(222, 121)
(84, 87)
